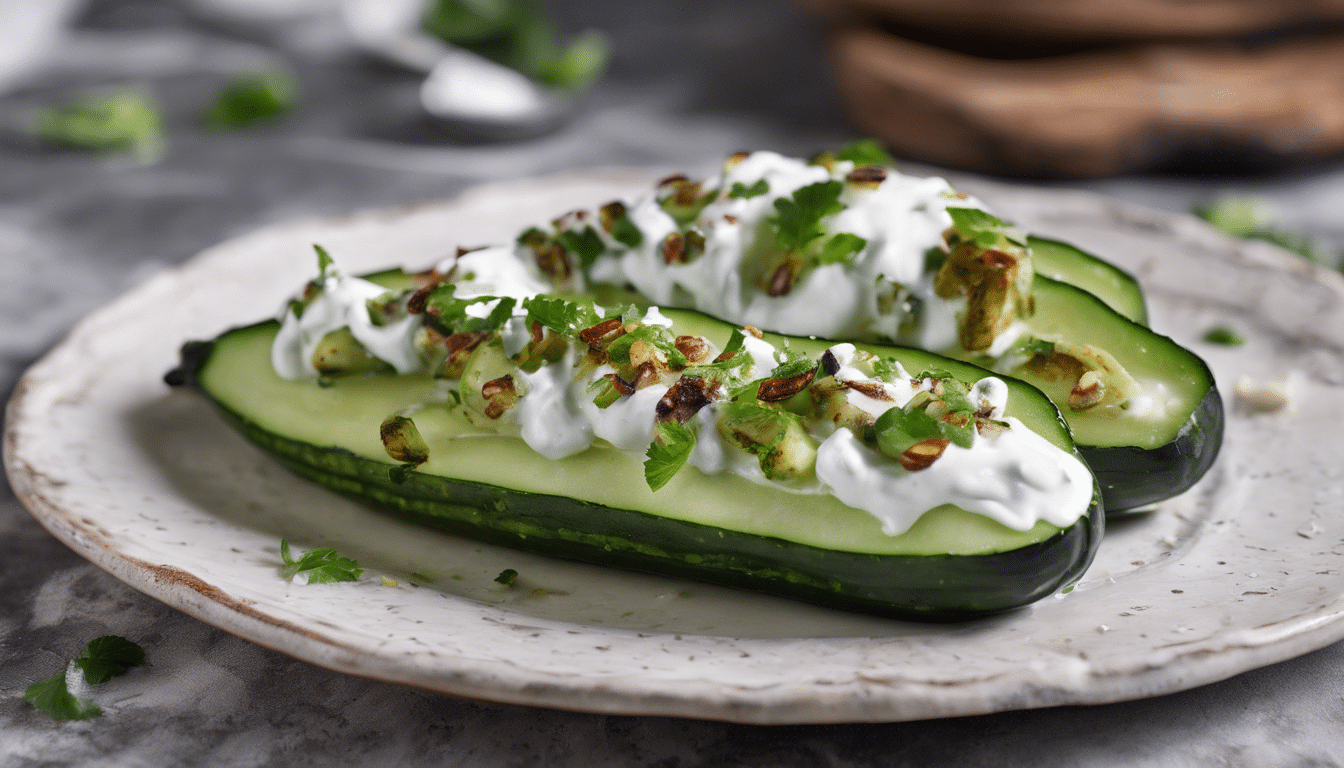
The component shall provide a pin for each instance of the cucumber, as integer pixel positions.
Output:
(596, 507)
(1068, 264)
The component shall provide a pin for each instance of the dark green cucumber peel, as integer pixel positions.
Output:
(1132, 478)
(1067, 263)
(924, 587)
(1140, 469)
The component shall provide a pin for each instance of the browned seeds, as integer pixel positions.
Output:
(694, 348)
(622, 386)
(673, 248)
(685, 398)
(1089, 391)
(604, 332)
(673, 179)
(782, 279)
(867, 176)
(609, 213)
(645, 374)
(872, 389)
(596, 356)
(778, 390)
(416, 304)
(567, 220)
(500, 395)
(730, 218)
(921, 455)
(538, 333)
(553, 260)
(735, 160)
(752, 330)
(459, 347)
(829, 365)
(989, 428)
(686, 192)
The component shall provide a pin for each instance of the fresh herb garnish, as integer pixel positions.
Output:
(1224, 335)
(797, 221)
(888, 368)
(451, 311)
(564, 317)
(1252, 218)
(660, 337)
(325, 265)
(792, 366)
(1038, 347)
(760, 187)
(107, 657)
(519, 35)
(984, 228)
(124, 120)
(507, 577)
(103, 659)
(667, 453)
(840, 247)
(865, 152)
(321, 565)
(624, 231)
(252, 99)
(584, 243)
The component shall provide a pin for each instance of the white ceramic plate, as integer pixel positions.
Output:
(152, 486)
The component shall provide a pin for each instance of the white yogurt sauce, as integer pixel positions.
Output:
(342, 302)
(901, 219)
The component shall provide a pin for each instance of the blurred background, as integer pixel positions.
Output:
(136, 133)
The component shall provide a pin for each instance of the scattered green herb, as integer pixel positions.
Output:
(507, 577)
(117, 121)
(1221, 334)
(667, 453)
(840, 247)
(578, 64)
(564, 317)
(325, 265)
(1252, 218)
(450, 312)
(865, 152)
(104, 658)
(624, 231)
(984, 228)
(520, 35)
(1038, 347)
(252, 99)
(584, 243)
(321, 565)
(107, 657)
(760, 187)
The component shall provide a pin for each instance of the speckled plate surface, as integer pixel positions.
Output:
(1242, 571)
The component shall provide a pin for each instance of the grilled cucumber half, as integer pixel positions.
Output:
(595, 505)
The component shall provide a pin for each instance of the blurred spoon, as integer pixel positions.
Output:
(466, 92)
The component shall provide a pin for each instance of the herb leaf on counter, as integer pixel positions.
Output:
(126, 120)
(252, 99)
(322, 565)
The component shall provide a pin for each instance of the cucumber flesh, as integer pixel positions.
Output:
(1066, 263)
(595, 505)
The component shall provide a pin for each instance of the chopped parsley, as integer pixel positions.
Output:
(660, 337)
(520, 35)
(252, 99)
(321, 565)
(1221, 334)
(117, 121)
(584, 243)
(624, 231)
(1038, 347)
(507, 577)
(797, 220)
(865, 152)
(564, 317)
(451, 311)
(984, 228)
(840, 247)
(325, 265)
(103, 659)
(760, 187)
(667, 453)
(1252, 218)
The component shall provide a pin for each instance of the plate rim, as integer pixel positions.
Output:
(1199, 664)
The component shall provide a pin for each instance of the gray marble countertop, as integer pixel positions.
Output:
(690, 81)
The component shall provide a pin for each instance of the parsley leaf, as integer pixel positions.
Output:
(109, 656)
(585, 243)
(579, 64)
(324, 263)
(667, 453)
(840, 247)
(451, 311)
(1038, 347)
(798, 218)
(934, 373)
(252, 99)
(51, 696)
(898, 429)
(1252, 218)
(865, 152)
(659, 336)
(888, 368)
(755, 190)
(624, 231)
(564, 317)
(126, 120)
(321, 565)
(791, 367)
(507, 577)
(984, 228)
(1221, 334)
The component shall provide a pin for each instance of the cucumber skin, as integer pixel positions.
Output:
(1132, 478)
(922, 588)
